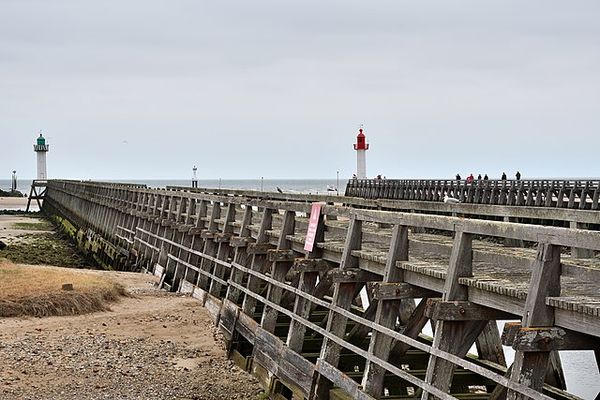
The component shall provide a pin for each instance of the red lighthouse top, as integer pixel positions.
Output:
(361, 141)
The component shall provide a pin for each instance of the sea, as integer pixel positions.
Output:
(313, 186)
(306, 186)
(581, 371)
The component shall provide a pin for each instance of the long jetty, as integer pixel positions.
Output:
(346, 318)
(573, 194)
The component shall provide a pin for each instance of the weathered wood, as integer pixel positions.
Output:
(489, 345)
(311, 265)
(499, 281)
(387, 312)
(279, 270)
(350, 275)
(259, 248)
(399, 291)
(353, 242)
(276, 255)
(259, 262)
(529, 368)
(438, 310)
(336, 324)
(455, 337)
(546, 339)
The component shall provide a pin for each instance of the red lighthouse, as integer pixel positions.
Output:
(361, 146)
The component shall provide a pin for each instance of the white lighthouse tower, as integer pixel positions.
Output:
(361, 146)
(41, 148)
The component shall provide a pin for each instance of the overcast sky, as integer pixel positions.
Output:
(146, 89)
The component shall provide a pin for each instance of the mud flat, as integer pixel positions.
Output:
(151, 345)
(147, 344)
(15, 203)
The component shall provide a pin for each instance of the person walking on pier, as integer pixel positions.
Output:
(479, 177)
(470, 178)
(458, 177)
(503, 176)
(518, 176)
(485, 177)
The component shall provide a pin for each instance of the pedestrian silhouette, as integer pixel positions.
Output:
(458, 177)
(518, 175)
(504, 176)
(485, 177)
(479, 177)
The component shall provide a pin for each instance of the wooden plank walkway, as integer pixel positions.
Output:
(346, 319)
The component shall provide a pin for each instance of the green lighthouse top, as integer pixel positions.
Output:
(41, 145)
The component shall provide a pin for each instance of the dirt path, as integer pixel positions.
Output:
(153, 346)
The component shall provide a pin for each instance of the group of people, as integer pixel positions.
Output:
(471, 178)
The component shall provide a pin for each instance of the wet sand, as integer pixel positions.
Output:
(16, 203)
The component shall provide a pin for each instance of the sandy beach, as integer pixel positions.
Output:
(16, 203)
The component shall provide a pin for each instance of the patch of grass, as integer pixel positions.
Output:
(33, 226)
(44, 249)
(37, 291)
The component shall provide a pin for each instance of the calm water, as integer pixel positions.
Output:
(313, 186)
(580, 367)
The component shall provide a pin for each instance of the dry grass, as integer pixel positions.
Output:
(37, 291)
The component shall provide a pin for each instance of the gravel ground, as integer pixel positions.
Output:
(152, 346)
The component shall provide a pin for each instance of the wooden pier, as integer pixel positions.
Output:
(573, 194)
(347, 319)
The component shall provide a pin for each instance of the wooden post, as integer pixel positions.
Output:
(307, 283)
(259, 262)
(529, 368)
(576, 251)
(240, 257)
(343, 295)
(455, 337)
(279, 270)
(387, 313)
(210, 246)
(223, 251)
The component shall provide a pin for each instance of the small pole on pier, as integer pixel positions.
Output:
(14, 182)
(219, 183)
(194, 177)
(337, 183)
(261, 183)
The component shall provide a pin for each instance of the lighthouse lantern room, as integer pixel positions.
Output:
(41, 148)
(361, 146)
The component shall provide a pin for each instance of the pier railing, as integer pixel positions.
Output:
(346, 319)
(572, 194)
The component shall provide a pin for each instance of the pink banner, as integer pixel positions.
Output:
(313, 222)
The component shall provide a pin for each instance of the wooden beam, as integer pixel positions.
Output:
(276, 255)
(529, 368)
(399, 291)
(438, 310)
(546, 339)
(259, 248)
(311, 265)
(353, 275)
